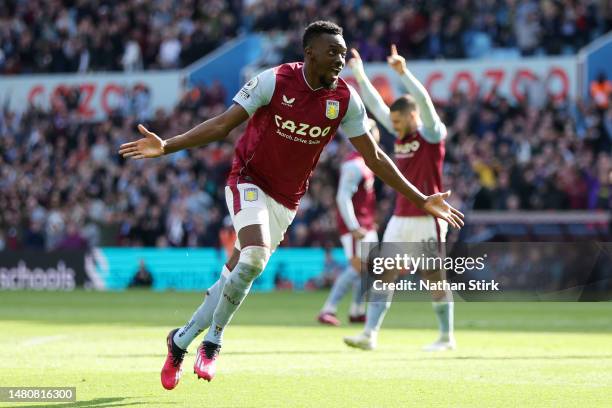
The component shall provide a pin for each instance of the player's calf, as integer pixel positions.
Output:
(443, 307)
(252, 262)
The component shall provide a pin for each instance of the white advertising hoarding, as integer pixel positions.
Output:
(100, 93)
(534, 78)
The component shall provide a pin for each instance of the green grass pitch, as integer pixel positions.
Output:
(111, 347)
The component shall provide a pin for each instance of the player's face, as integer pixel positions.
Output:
(399, 120)
(404, 122)
(327, 56)
(413, 121)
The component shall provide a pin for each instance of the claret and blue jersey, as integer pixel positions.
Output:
(290, 124)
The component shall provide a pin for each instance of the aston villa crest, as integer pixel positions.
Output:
(332, 109)
(250, 194)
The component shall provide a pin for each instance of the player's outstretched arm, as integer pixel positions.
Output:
(206, 132)
(372, 99)
(417, 90)
(376, 159)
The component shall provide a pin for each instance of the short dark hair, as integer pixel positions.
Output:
(317, 28)
(404, 103)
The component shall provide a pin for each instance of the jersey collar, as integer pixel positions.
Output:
(306, 81)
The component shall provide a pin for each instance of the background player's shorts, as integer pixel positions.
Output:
(421, 236)
(352, 247)
(249, 205)
(415, 229)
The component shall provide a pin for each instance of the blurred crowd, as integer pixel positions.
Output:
(102, 35)
(106, 35)
(63, 186)
(439, 29)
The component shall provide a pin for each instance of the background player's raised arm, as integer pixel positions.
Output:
(355, 127)
(372, 99)
(435, 129)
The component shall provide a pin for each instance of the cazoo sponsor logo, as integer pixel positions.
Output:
(292, 131)
(407, 149)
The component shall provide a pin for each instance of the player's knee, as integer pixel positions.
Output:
(233, 260)
(254, 260)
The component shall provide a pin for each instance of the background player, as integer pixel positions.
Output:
(294, 110)
(356, 202)
(419, 154)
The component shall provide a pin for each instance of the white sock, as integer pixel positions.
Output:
(202, 317)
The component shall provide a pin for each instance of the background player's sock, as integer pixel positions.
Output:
(378, 304)
(252, 262)
(202, 317)
(357, 301)
(338, 290)
(444, 313)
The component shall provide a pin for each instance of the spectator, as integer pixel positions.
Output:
(169, 50)
(73, 240)
(34, 237)
(527, 28)
(601, 90)
(142, 278)
(132, 55)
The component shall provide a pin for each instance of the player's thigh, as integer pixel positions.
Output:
(281, 218)
(348, 245)
(363, 248)
(396, 237)
(432, 233)
(250, 214)
(352, 247)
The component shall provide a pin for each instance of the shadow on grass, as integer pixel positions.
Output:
(504, 358)
(96, 402)
(228, 353)
(573, 357)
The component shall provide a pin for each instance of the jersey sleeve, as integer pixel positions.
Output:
(355, 121)
(433, 129)
(350, 177)
(434, 134)
(257, 92)
(372, 99)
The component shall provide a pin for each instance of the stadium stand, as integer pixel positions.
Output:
(62, 180)
(62, 184)
(97, 35)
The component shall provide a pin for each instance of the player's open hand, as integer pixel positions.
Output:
(148, 147)
(396, 61)
(436, 205)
